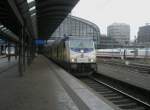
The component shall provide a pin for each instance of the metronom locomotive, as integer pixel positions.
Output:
(76, 54)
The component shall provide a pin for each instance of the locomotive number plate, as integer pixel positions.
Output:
(80, 60)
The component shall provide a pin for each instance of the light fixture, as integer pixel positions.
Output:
(3, 29)
(72, 60)
(82, 51)
(32, 8)
(92, 60)
(29, 1)
(1, 26)
(33, 14)
(6, 30)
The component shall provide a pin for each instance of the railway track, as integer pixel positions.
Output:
(121, 99)
(140, 67)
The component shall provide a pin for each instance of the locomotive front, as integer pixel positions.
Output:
(82, 55)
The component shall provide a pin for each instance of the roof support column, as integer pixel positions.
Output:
(21, 52)
(1, 49)
(24, 45)
(33, 51)
(16, 50)
(28, 50)
(8, 49)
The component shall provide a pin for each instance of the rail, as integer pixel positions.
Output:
(121, 99)
(141, 67)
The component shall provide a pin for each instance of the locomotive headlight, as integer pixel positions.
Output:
(72, 60)
(82, 51)
(91, 60)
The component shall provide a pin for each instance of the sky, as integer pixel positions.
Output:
(105, 12)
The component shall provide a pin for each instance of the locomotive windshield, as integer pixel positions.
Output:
(81, 43)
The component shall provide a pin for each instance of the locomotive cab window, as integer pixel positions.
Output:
(81, 44)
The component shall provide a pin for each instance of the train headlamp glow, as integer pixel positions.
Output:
(72, 60)
(82, 51)
(92, 60)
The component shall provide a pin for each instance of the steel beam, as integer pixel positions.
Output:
(15, 9)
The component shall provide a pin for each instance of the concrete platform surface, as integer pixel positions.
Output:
(2, 56)
(84, 97)
(5, 64)
(39, 89)
(45, 86)
(126, 75)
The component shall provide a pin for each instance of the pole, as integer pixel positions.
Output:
(20, 63)
(23, 50)
(16, 51)
(8, 49)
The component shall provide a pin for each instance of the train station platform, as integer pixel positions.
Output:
(5, 65)
(45, 86)
(2, 56)
(127, 75)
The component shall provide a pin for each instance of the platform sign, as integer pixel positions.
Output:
(39, 41)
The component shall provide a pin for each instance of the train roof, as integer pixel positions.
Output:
(62, 39)
(71, 38)
(80, 37)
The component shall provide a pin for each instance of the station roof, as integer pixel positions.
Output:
(8, 20)
(13, 15)
(50, 13)
(40, 17)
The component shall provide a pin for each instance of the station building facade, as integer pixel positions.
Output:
(74, 26)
